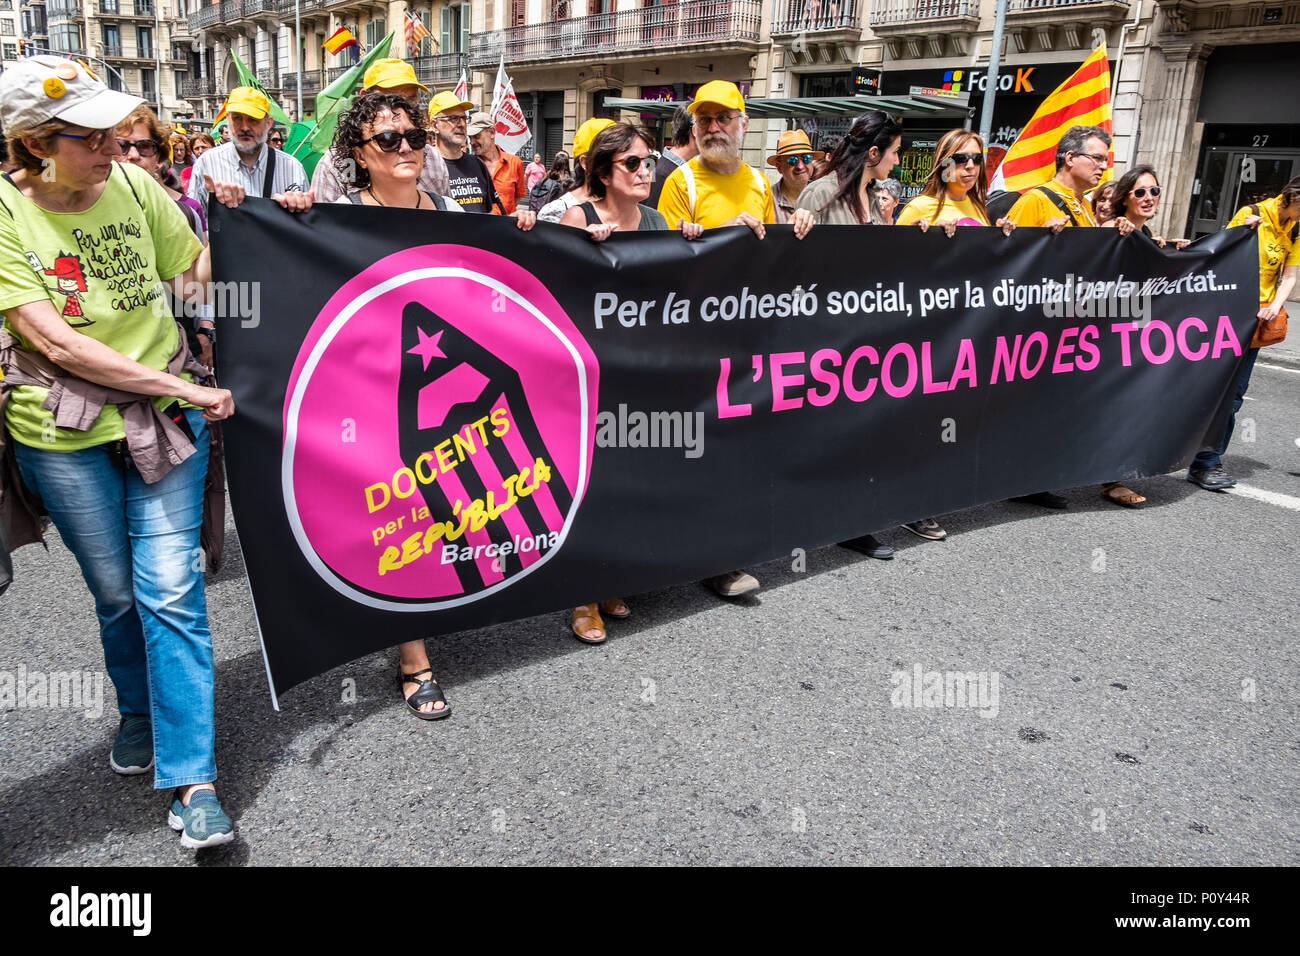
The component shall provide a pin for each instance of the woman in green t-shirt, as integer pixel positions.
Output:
(86, 244)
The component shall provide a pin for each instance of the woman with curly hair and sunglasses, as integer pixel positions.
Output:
(379, 151)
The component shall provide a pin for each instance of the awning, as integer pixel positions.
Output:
(913, 107)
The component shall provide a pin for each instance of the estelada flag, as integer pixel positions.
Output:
(340, 39)
(1082, 100)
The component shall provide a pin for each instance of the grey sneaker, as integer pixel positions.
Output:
(132, 751)
(203, 823)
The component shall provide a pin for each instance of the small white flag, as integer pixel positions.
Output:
(512, 126)
(462, 88)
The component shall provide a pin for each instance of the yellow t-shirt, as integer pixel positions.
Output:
(1276, 249)
(1035, 209)
(102, 269)
(927, 207)
(719, 197)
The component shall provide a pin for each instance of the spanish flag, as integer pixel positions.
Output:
(340, 39)
(1082, 100)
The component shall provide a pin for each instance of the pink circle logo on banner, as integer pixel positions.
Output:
(438, 430)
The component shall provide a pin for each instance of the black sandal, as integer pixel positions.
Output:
(429, 693)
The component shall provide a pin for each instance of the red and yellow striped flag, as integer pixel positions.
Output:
(1082, 100)
(340, 39)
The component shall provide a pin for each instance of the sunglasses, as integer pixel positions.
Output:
(961, 159)
(145, 147)
(634, 163)
(94, 140)
(390, 141)
(277, 140)
(1141, 191)
(805, 158)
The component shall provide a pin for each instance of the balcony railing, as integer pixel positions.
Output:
(310, 82)
(203, 87)
(251, 8)
(334, 72)
(445, 68)
(269, 79)
(890, 12)
(806, 16)
(62, 10)
(204, 16)
(112, 50)
(1053, 4)
(689, 22)
(285, 7)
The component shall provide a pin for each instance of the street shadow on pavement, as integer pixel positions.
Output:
(80, 803)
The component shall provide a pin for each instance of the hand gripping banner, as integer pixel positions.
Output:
(445, 423)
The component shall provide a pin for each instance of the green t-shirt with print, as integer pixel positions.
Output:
(103, 270)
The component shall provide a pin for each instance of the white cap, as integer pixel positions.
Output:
(44, 87)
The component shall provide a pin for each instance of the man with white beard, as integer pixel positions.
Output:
(246, 160)
(717, 189)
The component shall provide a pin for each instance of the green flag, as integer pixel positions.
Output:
(337, 98)
(299, 133)
(248, 78)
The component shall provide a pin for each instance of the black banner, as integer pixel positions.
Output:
(444, 423)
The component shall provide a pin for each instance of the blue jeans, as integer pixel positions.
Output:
(1213, 457)
(138, 547)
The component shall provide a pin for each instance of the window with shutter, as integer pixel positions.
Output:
(518, 13)
(426, 45)
(464, 27)
(445, 31)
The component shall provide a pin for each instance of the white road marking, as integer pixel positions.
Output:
(1279, 368)
(1268, 497)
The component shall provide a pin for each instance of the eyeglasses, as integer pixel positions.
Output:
(961, 159)
(634, 163)
(1141, 192)
(145, 147)
(805, 159)
(1099, 160)
(277, 141)
(455, 120)
(390, 140)
(94, 140)
(704, 120)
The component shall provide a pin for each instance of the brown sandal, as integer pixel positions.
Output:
(1115, 491)
(587, 618)
(615, 607)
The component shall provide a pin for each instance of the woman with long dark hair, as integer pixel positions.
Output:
(1134, 202)
(846, 195)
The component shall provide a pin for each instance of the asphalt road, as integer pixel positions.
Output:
(1146, 709)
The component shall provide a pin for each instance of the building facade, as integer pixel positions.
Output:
(261, 33)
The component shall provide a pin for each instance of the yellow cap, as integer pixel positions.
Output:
(447, 100)
(385, 74)
(586, 133)
(246, 100)
(720, 92)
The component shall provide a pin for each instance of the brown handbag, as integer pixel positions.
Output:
(1270, 331)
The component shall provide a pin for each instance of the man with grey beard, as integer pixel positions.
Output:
(717, 189)
(246, 160)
